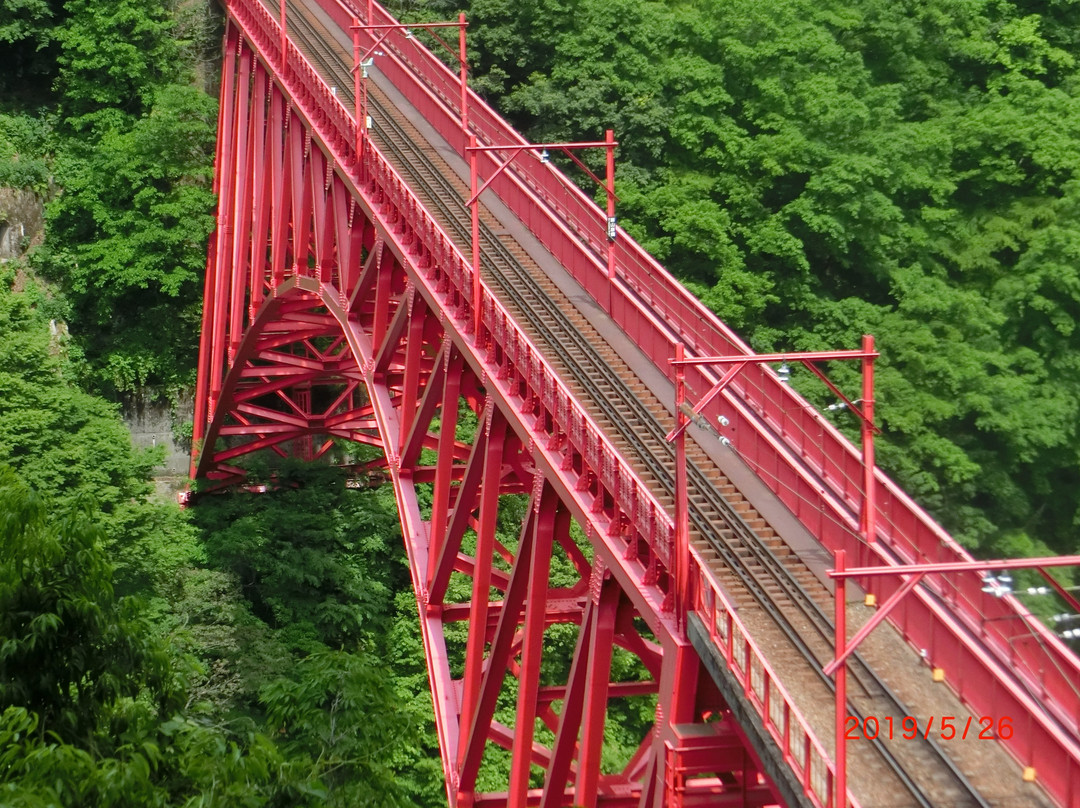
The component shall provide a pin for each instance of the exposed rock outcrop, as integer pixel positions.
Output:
(22, 222)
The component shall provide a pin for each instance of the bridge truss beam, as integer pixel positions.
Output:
(337, 316)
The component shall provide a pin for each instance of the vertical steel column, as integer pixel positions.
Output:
(414, 345)
(474, 183)
(840, 621)
(322, 225)
(241, 210)
(681, 554)
(383, 278)
(440, 495)
(463, 69)
(598, 675)
(279, 187)
(869, 516)
(539, 564)
(261, 201)
(495, 427)
(226, 210)
(301, 179)
(206, 369)
(609, 139)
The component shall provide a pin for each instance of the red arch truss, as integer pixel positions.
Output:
(339, 318)
(337, 310)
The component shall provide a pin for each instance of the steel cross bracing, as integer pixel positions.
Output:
(335, 309)
(338, 309)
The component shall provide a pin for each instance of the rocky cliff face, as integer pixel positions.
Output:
(154, 421)
(22, 222)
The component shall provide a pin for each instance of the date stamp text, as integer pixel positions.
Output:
(940, 728)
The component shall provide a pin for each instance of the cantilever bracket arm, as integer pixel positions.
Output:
(918, 571)
(716, 389)
(577, 161)
(367, 54)
(873, 622)
(1066, 595)
(517, 148)
(502, 167)
(851, 405)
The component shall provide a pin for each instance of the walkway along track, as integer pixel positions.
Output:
(753, 564)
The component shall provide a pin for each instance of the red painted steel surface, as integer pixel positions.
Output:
(337, 308)
(812, 468)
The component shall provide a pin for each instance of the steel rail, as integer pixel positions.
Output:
(500, 267)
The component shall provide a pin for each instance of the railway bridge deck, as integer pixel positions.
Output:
(762, 598)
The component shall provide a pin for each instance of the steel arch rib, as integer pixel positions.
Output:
(336, 308)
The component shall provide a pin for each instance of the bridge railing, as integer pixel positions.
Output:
(550, 401)
(787, 726)
(810, 466)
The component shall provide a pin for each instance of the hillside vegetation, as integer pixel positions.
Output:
(255, 651)
(819, 170)
(812, 170)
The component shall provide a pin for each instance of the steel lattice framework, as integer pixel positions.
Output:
(337, 309)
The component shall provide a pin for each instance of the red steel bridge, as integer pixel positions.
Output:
(399, 279)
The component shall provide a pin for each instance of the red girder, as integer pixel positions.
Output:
(336, 307)
(284, 332)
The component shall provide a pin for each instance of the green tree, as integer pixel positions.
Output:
(24, 152)
(70, 649)
(310, 554)
(342, 712)
(65, 443)
(28, 32)
(127, 241)
(94, 709)
(126, 237)
(114, 56)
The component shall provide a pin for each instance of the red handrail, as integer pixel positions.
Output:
(808, 464)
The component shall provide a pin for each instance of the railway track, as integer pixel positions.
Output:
(752, 562)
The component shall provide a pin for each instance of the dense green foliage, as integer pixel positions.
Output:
(146, 660)
(317, 567)
(122, 145)
(149, 661)
(816, 171)
(127, 238)
(22, 149)
(27, 32)
(813, 170)
(95, 709)
(71, 650)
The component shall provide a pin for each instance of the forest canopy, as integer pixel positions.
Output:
(812, 170)
(819, 170)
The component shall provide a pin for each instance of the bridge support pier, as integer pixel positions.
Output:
(340, 323)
